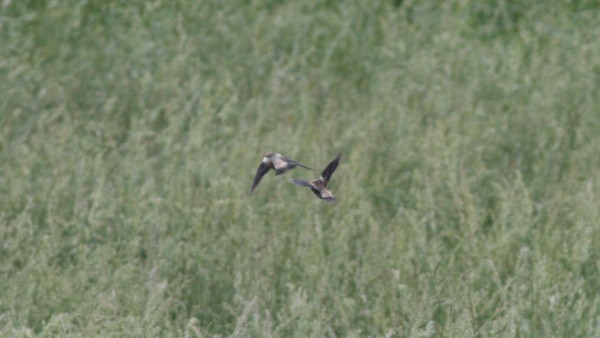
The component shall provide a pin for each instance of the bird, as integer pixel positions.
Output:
(277, 162)
(319, 186)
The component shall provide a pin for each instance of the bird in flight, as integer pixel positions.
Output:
(319, 186)
(274, 161)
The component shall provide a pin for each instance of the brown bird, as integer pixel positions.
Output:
(319, 186)
(277, 162)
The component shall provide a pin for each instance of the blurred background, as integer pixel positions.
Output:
(467, 195)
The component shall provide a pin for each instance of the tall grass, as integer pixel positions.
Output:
(468, 192)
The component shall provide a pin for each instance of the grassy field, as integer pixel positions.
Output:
(468, 191)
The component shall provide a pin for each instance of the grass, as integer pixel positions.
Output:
(468, 192)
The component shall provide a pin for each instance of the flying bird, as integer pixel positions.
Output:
(319, 186)
(276, 162)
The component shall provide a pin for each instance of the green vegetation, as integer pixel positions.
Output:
(468, 192)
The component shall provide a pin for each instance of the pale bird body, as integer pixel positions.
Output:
(277, 162)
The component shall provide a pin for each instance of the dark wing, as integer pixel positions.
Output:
(303, 183)
(296, 163)
(291, 164)
(263, 169)
(331, 168)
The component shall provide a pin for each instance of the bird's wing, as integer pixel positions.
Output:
(303, 183)
(328, 172)
(296, 163)
(263, 169)
(284, 164)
